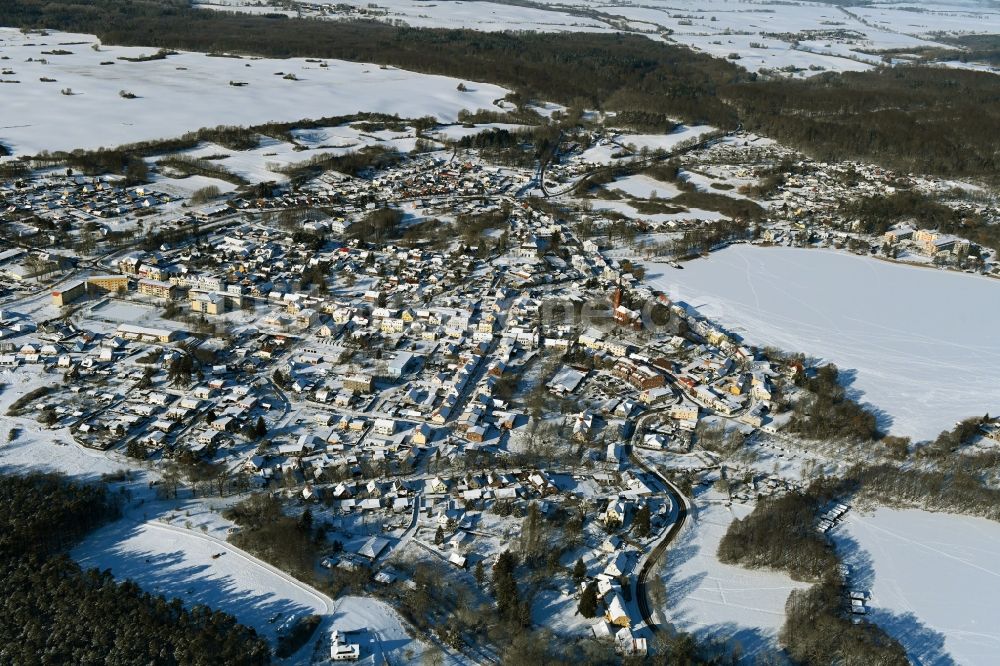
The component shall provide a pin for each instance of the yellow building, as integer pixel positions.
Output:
(70, 293)
(156, 288)
(209, 303)
(107, 283)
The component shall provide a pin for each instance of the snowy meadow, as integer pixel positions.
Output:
(62, 93)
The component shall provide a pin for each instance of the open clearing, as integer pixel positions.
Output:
(175, 562)
(934, 581)
(188, 91)
(918, 344)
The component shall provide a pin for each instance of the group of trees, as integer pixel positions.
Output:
(950, 440)
(827, 412)
(909, 118)
(511, 608)
(352, 163)
(957, 487)
(193, 166)
(377, 225)
(181, 368)
(54, 611)
(780, 534)
(291, 544)
(501, 146)
(816, 632)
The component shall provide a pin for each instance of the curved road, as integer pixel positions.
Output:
(641, 592)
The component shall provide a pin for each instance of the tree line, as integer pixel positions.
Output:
(53, 611)
(780, 534)
(911, 118)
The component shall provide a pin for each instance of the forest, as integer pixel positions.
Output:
(924, 119)
(913, 119)
(54, 612)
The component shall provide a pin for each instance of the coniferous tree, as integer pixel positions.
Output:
(588, 601)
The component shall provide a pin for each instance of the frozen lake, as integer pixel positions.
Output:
(723, 601)
(920, 345)
(934, 581)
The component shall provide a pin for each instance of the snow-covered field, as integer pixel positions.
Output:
(28, 446)
(605, 153)
(187, 91)
(720, 601)
(934, 580)
(463, 14)
(918, 344)
(179, 563)
(801, 38)
(656, 218)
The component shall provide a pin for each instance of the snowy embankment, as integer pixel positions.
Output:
(934, 580)
(918, 345)
(62, 94)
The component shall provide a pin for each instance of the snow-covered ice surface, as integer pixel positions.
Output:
(645, 187)
(721, 601)
(934, 581)
(918, 344)
(188, 91)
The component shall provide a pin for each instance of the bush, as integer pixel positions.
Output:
(298, 635)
